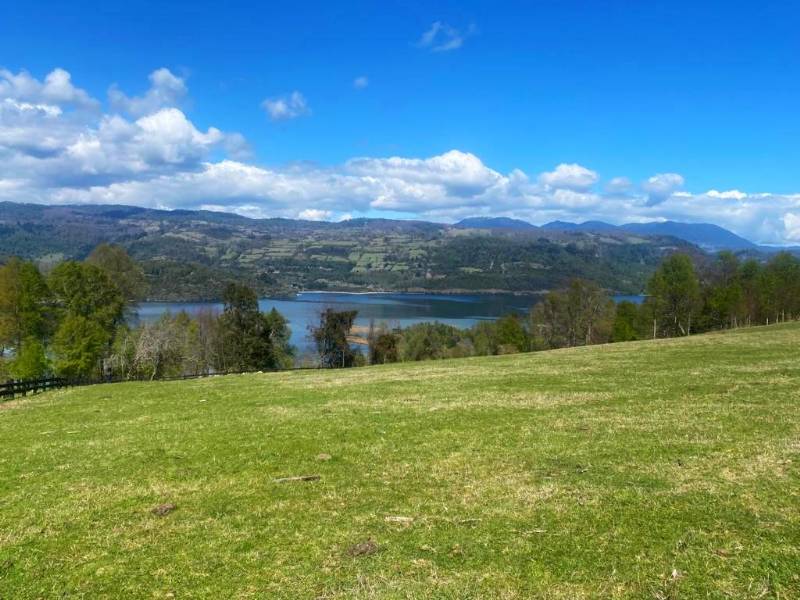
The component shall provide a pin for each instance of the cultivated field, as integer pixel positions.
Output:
(666, 469)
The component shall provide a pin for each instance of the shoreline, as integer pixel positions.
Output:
(414, 292)
(423, 292)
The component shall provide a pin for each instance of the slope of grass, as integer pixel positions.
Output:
(665, 469)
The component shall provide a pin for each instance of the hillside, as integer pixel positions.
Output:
(190, 255)
(494, 223)
(665, 469)
(707, 236)
(711, 238)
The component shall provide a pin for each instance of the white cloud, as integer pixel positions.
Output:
(791, 222)
(361, 82)
(162, 142)
(618, 185)
(456, 173)
(569, 176)
(54, 150)
(314, 214)
(237, 147)
(56, 89)
(166, 90)
(168, 137)
(441, 37)
(662, 186)
(286, 107)
(728, 195)
(46, 141)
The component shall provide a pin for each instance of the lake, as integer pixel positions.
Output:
(394, 309)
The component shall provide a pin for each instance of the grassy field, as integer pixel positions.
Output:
(667, 469)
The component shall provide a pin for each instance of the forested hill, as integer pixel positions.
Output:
(191, 255)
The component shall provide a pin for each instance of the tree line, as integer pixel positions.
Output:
(75, 321)
(681, 298)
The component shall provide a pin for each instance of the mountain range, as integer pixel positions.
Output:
(711, 238)
(191, 255)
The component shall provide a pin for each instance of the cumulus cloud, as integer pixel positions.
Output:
(49, 140)
(361, 82)
(283, 108)
(569, 176)
(727, 195)
(791, 222)
(453, 174)
(441, 37)
(56, 89)
(57, 147)
(660, 187)
(166, 89)
(34, 129)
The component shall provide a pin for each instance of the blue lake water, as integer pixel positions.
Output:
(394, 309)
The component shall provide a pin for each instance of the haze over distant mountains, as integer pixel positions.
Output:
(707, 236)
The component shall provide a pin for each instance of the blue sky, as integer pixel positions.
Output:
(477, 104)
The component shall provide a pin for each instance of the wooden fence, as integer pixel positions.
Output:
(11, 389)
(20, 388)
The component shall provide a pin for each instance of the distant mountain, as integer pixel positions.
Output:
(709, 237)
(191, 255)
(590, 226)
(494, 223)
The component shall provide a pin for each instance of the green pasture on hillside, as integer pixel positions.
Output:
(666, 469)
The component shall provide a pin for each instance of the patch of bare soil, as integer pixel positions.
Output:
(163, 509)
(365, 548)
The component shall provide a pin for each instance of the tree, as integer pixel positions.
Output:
(330, 337)
(749, 279)
(674, 295)
(383, 346)
(781, 285)
(511, 335)
(79, 344)
(168, 348)
(483, 336)
(432, 341)
(126, 274)
(250, 339)
(239, 326)
(123, 352)
(581, 314)
(87, 291)
(626, 320)
(24, 298)
(31, 361)
(549, 322)
(278, 335)
(157, 353)
(590, 311)
(724, 304)
(209, 340)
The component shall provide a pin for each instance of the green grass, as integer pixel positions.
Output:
(666, 469)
